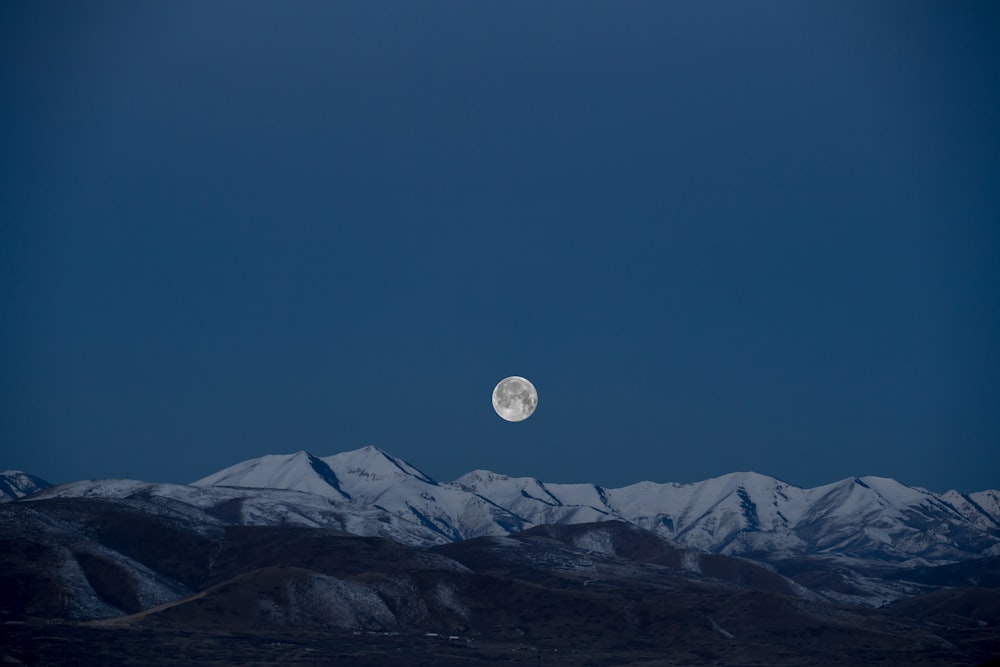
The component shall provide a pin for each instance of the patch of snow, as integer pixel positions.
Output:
(80, 602)
(718, 628)
(691, 562)
(324, 600)
(597, 541)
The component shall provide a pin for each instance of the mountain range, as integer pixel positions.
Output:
(739, 513)
(363, 544)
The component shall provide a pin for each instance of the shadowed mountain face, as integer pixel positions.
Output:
(134, 576)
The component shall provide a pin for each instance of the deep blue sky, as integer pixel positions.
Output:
(717, 236)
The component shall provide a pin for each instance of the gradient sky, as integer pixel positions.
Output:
(717, 236)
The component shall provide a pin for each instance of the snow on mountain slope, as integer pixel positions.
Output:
(373, 468)
(709, 515)
(369, 477)
(237, 505)
(738, 513)
(988, 502)
(297, 472)
(875, 517)
(981, 508)
(743, 513)
(528, 497)
(81, 578)
(17, 484)
(701, 515)
(373, 477)
(370, 492)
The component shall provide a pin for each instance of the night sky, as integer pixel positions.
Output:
(716, 236)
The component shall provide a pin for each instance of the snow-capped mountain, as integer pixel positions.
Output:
(745, 513)
(296, 472)
(299, 541)
(17, 484)
(248, 506)
(370, 477)
(739, 513)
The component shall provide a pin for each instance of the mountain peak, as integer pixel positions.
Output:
(374, 464)
(17, 484)
(300, 471)
(750, 476)
(473, 477)
(891, 491)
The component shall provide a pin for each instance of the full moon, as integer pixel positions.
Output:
(515, 398)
